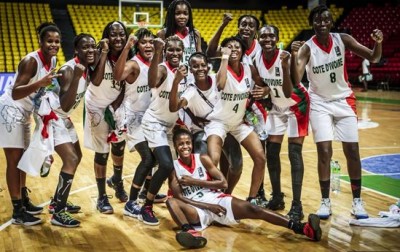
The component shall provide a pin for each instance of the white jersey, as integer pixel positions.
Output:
(158, 110)
(365, 64)
(196, 171)
(234, 97)
(27, 104)
(103, 95)
(138, 94)
(272, 75)
(202, 107)
(189, 44)
(326, 71)
(249, 55)
(80, 92)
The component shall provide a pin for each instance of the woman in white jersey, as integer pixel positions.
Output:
(17, 106)
(73, 83)
(198, 200)
(34, 81)
(248, 26)
(235, 82)
(136, 101)
(104, 94)
(158, 121)
(198, 101)
(333, 104)
(179, 22)
(290, 113)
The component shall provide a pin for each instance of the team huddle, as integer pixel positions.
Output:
(156, 94)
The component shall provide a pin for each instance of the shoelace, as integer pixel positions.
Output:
(65, 216)
(119, 187)
(149, 211)
(105, 199)
(359, 205)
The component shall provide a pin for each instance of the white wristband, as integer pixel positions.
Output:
(225, 56)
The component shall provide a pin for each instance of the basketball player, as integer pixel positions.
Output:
(198, 201)
(103, 95)
(198, 101)
(332, 102)
(290, 112)
(158, 121)
(36, 70)
(248, 26)
(73, 84)
(179, 22)
(136, 101)
(234, 81)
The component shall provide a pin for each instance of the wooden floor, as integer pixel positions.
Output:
(116, 232)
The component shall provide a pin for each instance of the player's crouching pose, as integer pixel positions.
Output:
(196, 184)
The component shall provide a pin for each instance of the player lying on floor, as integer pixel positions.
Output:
(196, 184)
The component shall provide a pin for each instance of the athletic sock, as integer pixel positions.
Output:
(325, 187)
(133, 195)
(117, 173)
(356, 187)
(148, 202)
(101, 186)
(17, 204)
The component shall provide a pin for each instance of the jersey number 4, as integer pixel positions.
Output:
(235, 108)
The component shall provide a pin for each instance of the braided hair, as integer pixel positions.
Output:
(170, 23)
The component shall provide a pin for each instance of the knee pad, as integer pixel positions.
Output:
(296, 162)
(101, 158)
(117, 149)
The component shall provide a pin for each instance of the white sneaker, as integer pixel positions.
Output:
(358, 209)
(324, 210)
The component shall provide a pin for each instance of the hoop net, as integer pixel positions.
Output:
(142, 24)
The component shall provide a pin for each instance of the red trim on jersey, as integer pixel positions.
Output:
(351, 100)
(251, 49)
(240, 77)
(45, 64)
(147, 63)
(170, 67)
(223, 195)
(189, 168)
(183, 34)
(77, 61)
(321, 46)
(113, 58)
(267, 64)
(262, 110)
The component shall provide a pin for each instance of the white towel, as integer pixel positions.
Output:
(388, 219)
(39, 147)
